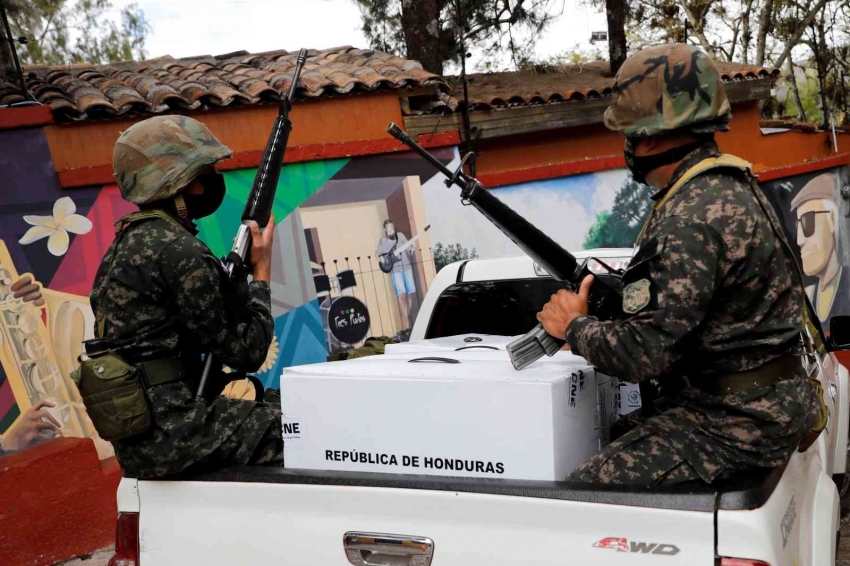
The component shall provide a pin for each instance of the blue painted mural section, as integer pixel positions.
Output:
(302, 341)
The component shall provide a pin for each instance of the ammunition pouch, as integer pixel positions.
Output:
(820, 421)
(114, 391)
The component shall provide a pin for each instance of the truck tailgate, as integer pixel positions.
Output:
(190, 522)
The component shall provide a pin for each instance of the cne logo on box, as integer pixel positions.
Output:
(294, 432)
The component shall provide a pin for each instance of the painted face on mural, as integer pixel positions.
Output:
(816, 234)
(817, 216)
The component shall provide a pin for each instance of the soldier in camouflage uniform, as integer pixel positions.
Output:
(712, 302)
(161, 287)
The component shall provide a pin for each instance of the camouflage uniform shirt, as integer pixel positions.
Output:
(720, 296)
(161, 272)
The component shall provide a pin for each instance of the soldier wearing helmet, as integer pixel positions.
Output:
(162, 291)
(712, 300)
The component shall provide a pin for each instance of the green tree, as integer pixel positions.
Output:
(433, 31)
(444, 255)
(619, 227)
(66, 31)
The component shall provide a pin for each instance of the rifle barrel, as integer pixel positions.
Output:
(259, 204)
(557, 261)
(258, 207)
(299, 63)
(604, 301)
(404, 138)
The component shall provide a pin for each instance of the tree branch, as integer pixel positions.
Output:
(735, 31)
(801, 29)
(746, 36)
(697, 28)
(495, 22)
(46, 27)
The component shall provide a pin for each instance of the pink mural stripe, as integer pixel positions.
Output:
(7, 398)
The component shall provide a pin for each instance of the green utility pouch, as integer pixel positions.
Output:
(114, 396)
(372, 346)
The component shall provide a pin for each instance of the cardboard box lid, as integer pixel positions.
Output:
(477, 346)
(451, 343)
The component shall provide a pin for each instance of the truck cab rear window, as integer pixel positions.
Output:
(503, 308)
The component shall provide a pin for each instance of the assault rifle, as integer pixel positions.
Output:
(260, 200)
(605, 300)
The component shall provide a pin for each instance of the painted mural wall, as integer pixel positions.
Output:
(607, 209)
(595, 210)
(338, 223)
(329, 291)
(57, 237)
(357, 243)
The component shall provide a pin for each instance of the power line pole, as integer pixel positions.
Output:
(10, 65)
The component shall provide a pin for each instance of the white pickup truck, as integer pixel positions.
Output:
(787, 517)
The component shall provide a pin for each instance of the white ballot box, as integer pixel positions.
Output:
(448, 413)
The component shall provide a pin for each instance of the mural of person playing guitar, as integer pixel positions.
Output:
(395, 256)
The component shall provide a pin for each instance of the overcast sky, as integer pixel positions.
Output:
(184, 28)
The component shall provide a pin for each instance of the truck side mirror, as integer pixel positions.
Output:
(839, 332)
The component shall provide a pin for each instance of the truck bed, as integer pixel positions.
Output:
(750, 492)
(259, 515)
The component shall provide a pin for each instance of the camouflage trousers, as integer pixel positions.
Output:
(191, 435)
(705, 438)
(240, 449)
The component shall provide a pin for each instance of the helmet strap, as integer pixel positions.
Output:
(180, 205)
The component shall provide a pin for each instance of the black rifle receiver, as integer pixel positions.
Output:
(605, 302)
(259, 205)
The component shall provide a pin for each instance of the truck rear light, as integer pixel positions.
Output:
(741, 562)
(126, 540)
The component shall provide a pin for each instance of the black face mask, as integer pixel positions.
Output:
(643, 165)
(203, 205)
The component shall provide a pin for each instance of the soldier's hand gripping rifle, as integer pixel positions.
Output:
(605, 300)
(260, 200)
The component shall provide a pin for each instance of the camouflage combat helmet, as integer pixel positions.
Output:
(667, 88)
(157, 158)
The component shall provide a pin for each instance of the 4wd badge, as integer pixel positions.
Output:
(624, 545)
(636, 296)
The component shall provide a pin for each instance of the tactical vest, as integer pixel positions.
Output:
(122, 226)
(812, 343)
(114, 390)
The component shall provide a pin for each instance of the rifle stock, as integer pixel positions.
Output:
(605, 300)
(258, 207)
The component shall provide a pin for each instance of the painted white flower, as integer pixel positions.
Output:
(55, 228)
(271, 355)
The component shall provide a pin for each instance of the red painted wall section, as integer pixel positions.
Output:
(27, 116)
(102, 174)
(58, 501)
(586, 149)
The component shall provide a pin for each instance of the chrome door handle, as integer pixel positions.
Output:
(380, 549)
